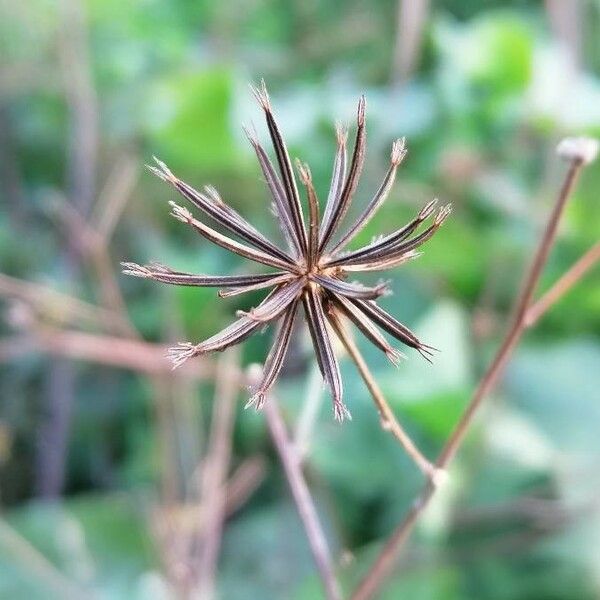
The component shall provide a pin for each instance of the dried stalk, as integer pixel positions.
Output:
(388, 419)
(114, 196)
(579, 153)
(122, 353)
(93, 247)
(304, 503)
(214, 473)
(236, 490)
(411, 21)
(563, 285)
(55, 305)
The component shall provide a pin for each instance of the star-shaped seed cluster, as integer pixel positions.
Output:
(312, 270)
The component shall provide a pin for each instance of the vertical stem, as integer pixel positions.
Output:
(304, 503)
(214, 477)
(82, 103)
(81, 171)
(411, 20)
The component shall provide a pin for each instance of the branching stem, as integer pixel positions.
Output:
(388, 419)
(385, 561)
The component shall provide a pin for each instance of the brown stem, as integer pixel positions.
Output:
(216, 466)
(243, 482)
(388, 419)
(57, 306)
(122, 353)
(93, 247)
(304, 503)
(82, 102)
(411, 21)
(385, 561)
(110, 293)
(114, 196)
(563, 285)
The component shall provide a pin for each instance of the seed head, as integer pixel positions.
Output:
(312, 268)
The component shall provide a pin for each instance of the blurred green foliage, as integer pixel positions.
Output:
(489, 98)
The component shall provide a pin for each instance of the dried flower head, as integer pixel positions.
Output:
(313, 270)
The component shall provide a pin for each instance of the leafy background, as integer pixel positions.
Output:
(491, 89)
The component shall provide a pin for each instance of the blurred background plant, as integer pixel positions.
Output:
(115, 472)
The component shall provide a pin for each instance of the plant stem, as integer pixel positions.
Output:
(388, 419)
(385, 561)
(563, 285)
(214, 476)
(304, 503)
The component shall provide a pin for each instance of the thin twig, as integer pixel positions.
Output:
(191, 517)
(411, 20)
(385, 561)
(304, 503)
(215, 470)
(82, 102)
(177, 527)
(109, 289)
(113, 197)
(122, 353)
(563, 285)
(93, 247)
(56, 305)
(166, 437)
(243, 482)
(388, 419)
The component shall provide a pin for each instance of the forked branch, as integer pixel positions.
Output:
(578, 152)
(388, 419)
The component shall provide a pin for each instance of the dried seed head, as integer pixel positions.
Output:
(398, 151)
(443, 214)
(135, 270)
(254, 374)
(304, 172)
(341, 412)
(360, 116)
(383, 288)
(428, 209)
(262, 95)
(256, 401)
(212, 193)
(159, 268)
(411, 255)
(180, 213)
(162, 171)
(312, 272)
(581, 149)
(180, 353)
(251, 135)
(395, 356)
(341, 133)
